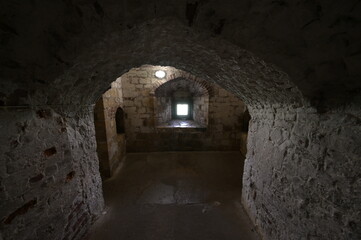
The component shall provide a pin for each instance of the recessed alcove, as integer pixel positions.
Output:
(181, 103)
(212, 117)
(140, 113)
(119, 121)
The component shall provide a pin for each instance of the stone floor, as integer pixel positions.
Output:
(175, 196)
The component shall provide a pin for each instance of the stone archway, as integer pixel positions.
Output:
(213, 59)
(263, 87)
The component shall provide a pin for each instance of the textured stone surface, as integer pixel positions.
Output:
(210, 58)
(302, 173)
(110, 143)
(50, 184)
(68, 52)
(197, 89)
(145, 114)
(315, 42)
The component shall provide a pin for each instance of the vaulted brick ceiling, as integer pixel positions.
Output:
(195, 88)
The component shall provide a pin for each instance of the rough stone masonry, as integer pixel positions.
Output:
(296, 64)
(144, 131)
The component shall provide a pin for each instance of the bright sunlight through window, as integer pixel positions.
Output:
(182, 109)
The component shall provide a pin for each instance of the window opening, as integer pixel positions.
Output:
(182, 109)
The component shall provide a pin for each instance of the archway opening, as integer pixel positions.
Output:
(267, 91)
(262, 86)
(109, 122)
(171, 165)
(213, 123)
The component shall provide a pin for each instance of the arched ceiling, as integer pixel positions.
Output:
(195, 88)
(61, 52)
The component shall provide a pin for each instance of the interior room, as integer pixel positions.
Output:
(184, 119)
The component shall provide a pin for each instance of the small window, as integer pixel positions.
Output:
(182, 109)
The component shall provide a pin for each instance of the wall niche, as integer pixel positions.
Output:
(181, 103)
(211, 121)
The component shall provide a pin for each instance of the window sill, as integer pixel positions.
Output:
(181, 124)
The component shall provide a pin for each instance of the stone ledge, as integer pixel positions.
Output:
(182, 124)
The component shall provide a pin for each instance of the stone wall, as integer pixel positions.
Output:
(101, 138)
(163, 110)
(195, 93)
(301, 180)
(81, 46)
(200, 109)
(50, 186)
(224, 119)
(110, 144)
(243, 148)
(244, 132)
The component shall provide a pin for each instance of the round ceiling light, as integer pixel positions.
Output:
(160, 74)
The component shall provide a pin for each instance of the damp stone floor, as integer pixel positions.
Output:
(175, 196)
